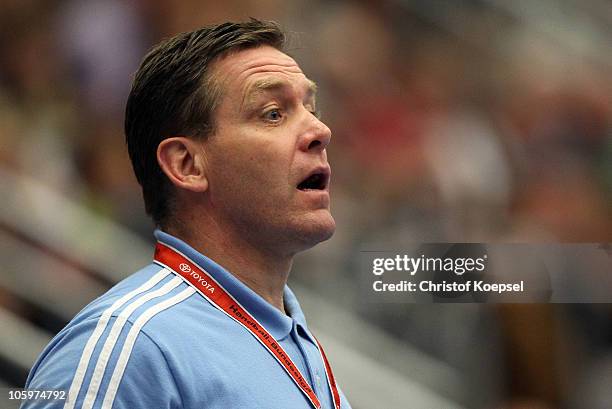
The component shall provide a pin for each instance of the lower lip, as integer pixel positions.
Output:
(321, 196)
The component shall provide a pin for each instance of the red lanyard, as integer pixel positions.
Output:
(220, 298)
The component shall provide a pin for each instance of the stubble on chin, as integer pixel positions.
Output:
(313, 230)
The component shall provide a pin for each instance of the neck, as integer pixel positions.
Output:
(261, 271)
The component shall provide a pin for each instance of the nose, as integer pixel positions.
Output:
(316, 135)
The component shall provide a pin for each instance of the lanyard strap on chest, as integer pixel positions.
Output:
(221, 299)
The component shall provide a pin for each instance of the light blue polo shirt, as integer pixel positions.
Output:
(153, 342)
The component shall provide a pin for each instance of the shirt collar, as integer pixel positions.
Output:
(292, 306)
(277, 323)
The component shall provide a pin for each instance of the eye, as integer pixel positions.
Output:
(273, 115)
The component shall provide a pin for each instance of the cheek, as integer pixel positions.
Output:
(254, 173)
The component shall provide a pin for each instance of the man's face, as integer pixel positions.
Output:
(267, 164)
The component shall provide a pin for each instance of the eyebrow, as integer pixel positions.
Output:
(273, 84)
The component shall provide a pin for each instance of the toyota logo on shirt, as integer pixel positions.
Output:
(185, 267)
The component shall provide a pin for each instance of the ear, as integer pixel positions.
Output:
(182, 159)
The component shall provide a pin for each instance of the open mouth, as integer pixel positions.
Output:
(316, 181)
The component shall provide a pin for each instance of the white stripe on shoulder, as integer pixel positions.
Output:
(77, 381)
(113, 386)
(115, 332)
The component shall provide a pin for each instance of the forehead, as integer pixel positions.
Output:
(237, 71)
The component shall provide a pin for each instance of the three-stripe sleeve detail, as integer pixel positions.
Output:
(111, 391)
(132, 301)
(79, 376)
(113, 336)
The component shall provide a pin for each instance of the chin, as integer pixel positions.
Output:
(315, 230)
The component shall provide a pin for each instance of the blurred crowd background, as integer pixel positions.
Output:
(453, 121)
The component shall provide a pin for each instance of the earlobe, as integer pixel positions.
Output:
(182, 160)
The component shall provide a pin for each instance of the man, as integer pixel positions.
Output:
(223, 135)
